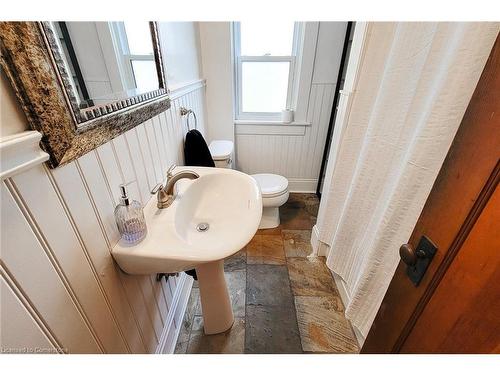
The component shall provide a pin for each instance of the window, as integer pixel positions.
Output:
(265, 56)
(136, 48)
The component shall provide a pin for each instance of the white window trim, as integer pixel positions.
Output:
(110, 49)
(305, 69)
(121, 44)
(305, 42)
(292, 74)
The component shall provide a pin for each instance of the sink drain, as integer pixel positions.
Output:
(202, 227)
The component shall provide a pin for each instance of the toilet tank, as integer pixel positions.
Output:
(222, 153)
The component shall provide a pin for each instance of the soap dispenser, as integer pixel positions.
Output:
(129, 218)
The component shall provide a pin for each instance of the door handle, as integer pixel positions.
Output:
(409, 256)
(417, 260)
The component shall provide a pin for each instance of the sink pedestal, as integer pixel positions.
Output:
(215, 302)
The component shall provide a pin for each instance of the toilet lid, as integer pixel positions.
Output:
(271, 184)
(221, 150)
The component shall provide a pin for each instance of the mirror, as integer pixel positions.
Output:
(105, 63)
(82, 84)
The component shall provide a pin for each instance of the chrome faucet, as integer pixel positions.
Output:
(165, 193)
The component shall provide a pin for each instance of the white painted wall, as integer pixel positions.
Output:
(328, 52)
(215, 43)
(294, 151)
(60, 286)
(12, 117)
(180, 41)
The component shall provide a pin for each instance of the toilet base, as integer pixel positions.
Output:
(270, 218)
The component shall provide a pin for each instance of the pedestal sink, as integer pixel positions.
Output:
(212, 217)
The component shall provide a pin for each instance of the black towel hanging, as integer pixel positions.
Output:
(196, 152)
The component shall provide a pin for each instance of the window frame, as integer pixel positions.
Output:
(293, 76)
(127, 70)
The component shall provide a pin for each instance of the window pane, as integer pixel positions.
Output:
(145, 75)
(264, 86)
(139, 38)
(266, 38)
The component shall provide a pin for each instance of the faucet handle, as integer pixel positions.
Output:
(170, 170)
(157, 188)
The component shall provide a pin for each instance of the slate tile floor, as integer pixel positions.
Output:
(283, 302)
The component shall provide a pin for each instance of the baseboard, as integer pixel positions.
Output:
(346, 299)
(299, 185)
(168, 338)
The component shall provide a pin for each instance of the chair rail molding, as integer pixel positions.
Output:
(176, 91)
(19, 152)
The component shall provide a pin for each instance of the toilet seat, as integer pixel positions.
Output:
(271, 185)
(274, 190)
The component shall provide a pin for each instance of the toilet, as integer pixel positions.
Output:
(222, 153)
(273, 187)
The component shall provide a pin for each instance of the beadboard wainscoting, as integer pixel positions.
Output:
(296, 155)
(61, 291)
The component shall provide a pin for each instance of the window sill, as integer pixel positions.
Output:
(260, 122)
(246, 127)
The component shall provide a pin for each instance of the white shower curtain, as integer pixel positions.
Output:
(407, 88)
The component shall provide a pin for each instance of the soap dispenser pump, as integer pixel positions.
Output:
(129, 218)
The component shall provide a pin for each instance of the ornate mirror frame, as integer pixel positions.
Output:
(35, 68)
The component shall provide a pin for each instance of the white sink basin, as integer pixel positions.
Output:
(225, 203)
(227, 200)
(216, 214)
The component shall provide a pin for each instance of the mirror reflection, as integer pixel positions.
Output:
(108, 61)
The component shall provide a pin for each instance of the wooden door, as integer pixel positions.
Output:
(456, 306)
(463, 314)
